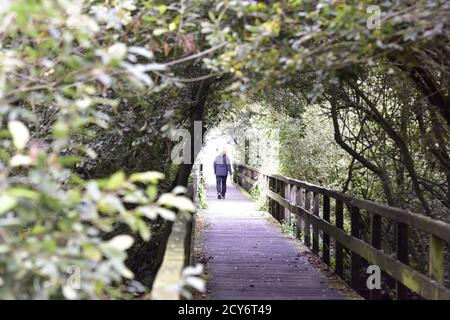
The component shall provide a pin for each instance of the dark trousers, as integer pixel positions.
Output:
(221, 184)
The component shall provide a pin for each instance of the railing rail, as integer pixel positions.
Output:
(311, 206)
(179, 251)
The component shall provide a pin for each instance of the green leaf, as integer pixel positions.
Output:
(159, 31)
(49, 244)
(172, 26)
(3, 155)
(19, 133)
(91, 153)
(148, 212)
(38, 229)
(60, 129)
(121, 242)
(148, 176)
(114, 54)
(20, 160)
(179, 202)
(151, 192)
(144, 230)
(166, 214)
(195, 282)
(23, 193)
(91, 252)
(115, 182)
(135, 196)
(110, 204)
(7, 203)
(70, 160)
(162, 9)
(122, 269)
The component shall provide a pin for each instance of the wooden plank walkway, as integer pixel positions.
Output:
(247, 256)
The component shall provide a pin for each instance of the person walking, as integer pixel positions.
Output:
(222, 166)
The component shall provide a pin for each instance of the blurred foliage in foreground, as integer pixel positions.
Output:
(60, 58)
(91, 89)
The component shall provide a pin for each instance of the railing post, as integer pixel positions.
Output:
(241, 169)
(437, 259)
(339, 268)
(375, 239)
(299, 201)
(375, 231)
(402, 256)
(288, 196)
(266, 180)
(355, 258)
(307, 224)
(293, 199)
(277, 205)
(271, 201)
(246, 181)
(326, 237)
(316, 209)
(282, 193)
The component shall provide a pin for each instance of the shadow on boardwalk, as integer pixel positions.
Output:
(247, 256)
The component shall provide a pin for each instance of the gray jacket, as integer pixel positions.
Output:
(221, 167)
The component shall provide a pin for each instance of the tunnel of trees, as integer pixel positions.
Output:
(91, 90)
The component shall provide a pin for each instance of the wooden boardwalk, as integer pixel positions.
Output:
(247, 256)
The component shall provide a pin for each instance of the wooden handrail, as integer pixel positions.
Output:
(178, 254)
(421, 222)
(307, 211)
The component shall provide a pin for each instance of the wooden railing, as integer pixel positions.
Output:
(324, 211)
(179, 252)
